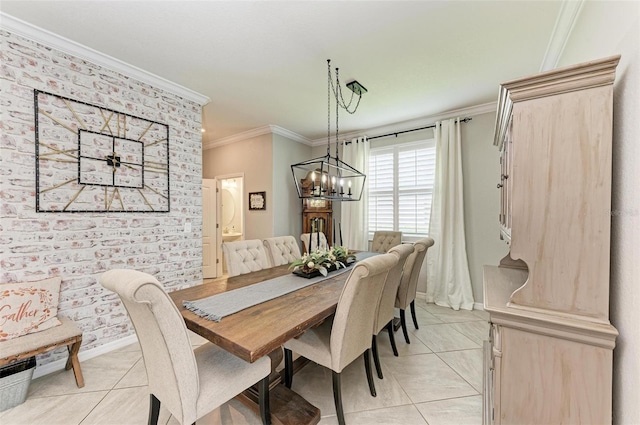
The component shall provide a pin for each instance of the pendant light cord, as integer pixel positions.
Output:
(329, 82)
(337, 109)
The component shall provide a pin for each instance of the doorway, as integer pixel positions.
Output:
(231, 207)
(230, 204)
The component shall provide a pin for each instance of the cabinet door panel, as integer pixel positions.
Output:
(548, 380)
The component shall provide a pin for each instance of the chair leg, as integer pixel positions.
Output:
(413, 314)
(337, 397)
(73, 362)
(367, 368)
(288, 368)
(392, 338)
(154, 410)
(403, 322)
(376, 359)
(263, 396)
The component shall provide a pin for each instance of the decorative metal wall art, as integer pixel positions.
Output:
(94, 159)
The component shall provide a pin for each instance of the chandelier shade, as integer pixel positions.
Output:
(328, 177)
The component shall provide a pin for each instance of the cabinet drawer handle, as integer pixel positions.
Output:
(504, 177)
(499, 185)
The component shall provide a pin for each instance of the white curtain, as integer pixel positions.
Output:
(354, 217)
(448, 281)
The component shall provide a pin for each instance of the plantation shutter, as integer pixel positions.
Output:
(381, 172)
(401, 182)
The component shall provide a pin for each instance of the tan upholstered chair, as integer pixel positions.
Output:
(383, 241)
(385, 311)
(244, 257)
(282, 250)
(339, 341)
(310, 241)
(409, 283)
(189, 383)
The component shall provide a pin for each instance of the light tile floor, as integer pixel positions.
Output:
(437, 380)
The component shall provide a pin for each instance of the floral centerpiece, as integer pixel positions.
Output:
(322, 261)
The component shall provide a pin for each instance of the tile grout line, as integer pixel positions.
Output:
(94, 408)
(111, 389)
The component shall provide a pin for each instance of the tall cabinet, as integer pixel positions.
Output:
(549, 355)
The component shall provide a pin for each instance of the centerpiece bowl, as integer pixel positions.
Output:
(321, 262)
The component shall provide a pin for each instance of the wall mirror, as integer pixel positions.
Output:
(228, 207)
(231, 207)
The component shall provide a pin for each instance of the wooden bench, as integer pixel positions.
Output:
(25, 346)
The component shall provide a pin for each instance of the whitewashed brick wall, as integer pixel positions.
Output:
(79, 247)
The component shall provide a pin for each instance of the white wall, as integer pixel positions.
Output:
(481, 172)
(266, 163)
(287, 207)
(253, 157)
(604, 29)
(79, 247)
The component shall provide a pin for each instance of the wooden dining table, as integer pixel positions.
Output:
(262, 329)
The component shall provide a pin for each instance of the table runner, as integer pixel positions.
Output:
(218, 306)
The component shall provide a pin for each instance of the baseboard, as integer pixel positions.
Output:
(84, 355)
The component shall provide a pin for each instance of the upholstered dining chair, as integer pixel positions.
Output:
(409, 283)
(385, 311)
(383, 241)
(310, 241)
(282, 250)
(189, 383)
(244, 257)
(339, 341)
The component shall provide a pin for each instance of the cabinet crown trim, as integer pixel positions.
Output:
(571, 78)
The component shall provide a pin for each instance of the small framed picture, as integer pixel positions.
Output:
(257, 200)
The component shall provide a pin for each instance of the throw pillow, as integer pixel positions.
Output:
(28, 307)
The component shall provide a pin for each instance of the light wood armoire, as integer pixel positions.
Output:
(549, 355)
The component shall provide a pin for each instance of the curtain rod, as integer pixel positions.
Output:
(408, 131)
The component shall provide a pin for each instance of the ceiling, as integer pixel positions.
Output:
(264, 62)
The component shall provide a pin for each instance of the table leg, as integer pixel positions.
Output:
(287, 407)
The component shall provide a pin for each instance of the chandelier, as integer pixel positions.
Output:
(328, 177)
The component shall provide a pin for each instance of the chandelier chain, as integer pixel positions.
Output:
(337, 109)
(337, 91)
(329, 82)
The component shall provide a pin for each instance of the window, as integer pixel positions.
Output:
(401, 179)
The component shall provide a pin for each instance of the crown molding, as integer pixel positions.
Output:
(416, 123)
(375, 131)
(49, 39)
(566, 20)
(290, 135)
(260, 131)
